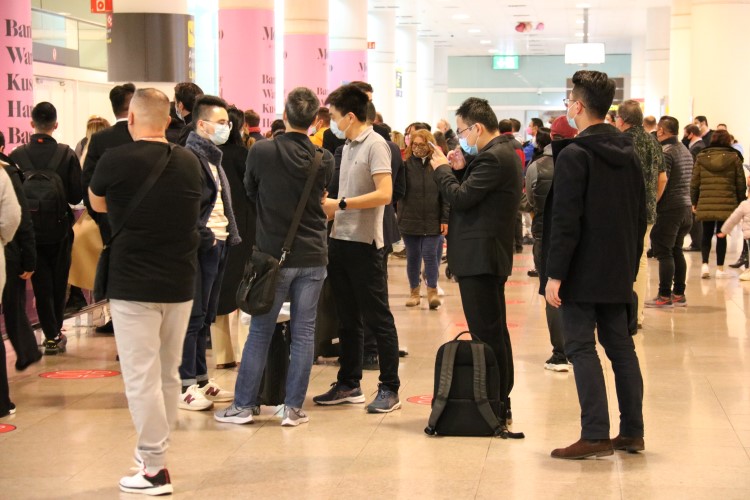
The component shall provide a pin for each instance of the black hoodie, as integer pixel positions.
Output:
(596, 217)
(274, 181)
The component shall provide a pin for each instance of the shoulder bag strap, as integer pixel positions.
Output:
(153, 176)
(287, 247)
(444, 385)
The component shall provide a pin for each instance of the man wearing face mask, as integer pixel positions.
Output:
(217, 230)
(484, 193)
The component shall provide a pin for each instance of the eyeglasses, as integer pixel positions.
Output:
(221, 122)
(460, 132)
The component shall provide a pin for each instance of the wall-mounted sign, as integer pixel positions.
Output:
(504, 62)
(101, 6)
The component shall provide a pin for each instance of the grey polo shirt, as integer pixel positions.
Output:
(361, 158)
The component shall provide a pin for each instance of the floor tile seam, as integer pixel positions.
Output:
(726, 415)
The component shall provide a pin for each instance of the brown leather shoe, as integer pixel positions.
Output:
(584, 448)
(631, 445)
(224, 366)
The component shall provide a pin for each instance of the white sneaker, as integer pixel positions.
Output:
(705, 274)
(745, 276)
(213, 392)
(156, 485)
(194, 399)
(293, 417)
(721, 274)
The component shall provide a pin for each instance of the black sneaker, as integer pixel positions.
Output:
(62, 341)
(156, 485)
(557, 364)
(370, 362)
(11, 411)
(340, 394)
(107, 328)
(532, 273)
(50, 347)
(385, 402)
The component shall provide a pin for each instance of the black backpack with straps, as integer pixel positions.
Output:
(467, 399)
(46, 197)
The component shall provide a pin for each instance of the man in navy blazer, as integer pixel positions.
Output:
(484, 192)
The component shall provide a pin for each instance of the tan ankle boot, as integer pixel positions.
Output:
(433, 299)
(414, 299)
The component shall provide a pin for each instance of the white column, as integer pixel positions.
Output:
(347, 42)
(425, 81)
(381, 29)
(440, 94)
(406, 62)
(657, 60)
(680, 63)
(637, 68)
(721, 95)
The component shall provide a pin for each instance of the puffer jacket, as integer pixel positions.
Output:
(741, 214)
(718, 184)
(422, 209)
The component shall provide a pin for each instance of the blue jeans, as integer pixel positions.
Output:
(302, 285)
(418, 249)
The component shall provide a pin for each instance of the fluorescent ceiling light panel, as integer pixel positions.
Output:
(584, 53)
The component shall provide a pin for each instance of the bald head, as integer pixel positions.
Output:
(148, 115)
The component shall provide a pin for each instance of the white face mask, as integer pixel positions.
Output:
(341, 134)
(221, 133)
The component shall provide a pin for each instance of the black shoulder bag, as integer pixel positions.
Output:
(102, 267)
(257, 290)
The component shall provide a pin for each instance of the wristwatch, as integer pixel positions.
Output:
(342, 203)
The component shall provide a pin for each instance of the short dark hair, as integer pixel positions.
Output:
(204, 102)
(475, 110)
(372, 113)
(505, 126)
(631, 113)
(301, 107)
(516, 124)
(721, 138)
(187, 93)
(349, 99)
(363, 86)
(237, 118)
(252, 119)
(325, 115)
(543, 138)
(277, 125)
(693, 129)
(596, 90)
(670, 124)
(120, 96)
(417, 126)
(538, 123)
(702, 119)
(44, 115)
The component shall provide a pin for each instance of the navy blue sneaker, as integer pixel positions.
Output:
(340, 394)
(385, 402)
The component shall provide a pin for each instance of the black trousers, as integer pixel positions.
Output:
(696, 233)
(667, 238)
(17, 324)
(50, 284)
(610, 320)
(483, 299)
(711, 227)
(554, 322)
(371, 345)
(360, 289)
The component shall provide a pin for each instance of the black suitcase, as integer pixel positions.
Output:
(327, 325)
(467, 399)
(273, 383)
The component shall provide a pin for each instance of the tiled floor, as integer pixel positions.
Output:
(74, 438)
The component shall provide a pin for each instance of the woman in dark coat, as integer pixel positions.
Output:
(227, 333)
(716, 189)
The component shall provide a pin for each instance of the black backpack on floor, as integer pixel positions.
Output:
(467, 399)
(45, 194)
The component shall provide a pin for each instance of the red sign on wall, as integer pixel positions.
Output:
(370, 45)
(101, 6)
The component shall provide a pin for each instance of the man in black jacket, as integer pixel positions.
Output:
(591, 245)
(484, 193)
(53, 247)
(111, 137)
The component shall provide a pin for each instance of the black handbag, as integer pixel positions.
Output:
(102, 266)
(257, 290)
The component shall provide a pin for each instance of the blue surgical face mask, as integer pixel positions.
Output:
(221, 134)
(470, 150)
(341, 134)
(571, 121)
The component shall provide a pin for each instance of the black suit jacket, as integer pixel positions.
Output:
(111, 137)
(484, 199)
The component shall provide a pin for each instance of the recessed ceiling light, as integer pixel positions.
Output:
(485, 42)
(475, 30)
(461, 16)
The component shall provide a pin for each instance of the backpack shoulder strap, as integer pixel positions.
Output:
(444, 385)
(23, 159)
(59, 157)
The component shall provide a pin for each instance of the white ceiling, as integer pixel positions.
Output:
(612, 22)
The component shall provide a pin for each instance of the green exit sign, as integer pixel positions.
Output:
(504, 62)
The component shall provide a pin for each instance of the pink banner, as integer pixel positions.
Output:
(16, 72)
(246, 61)
(306, 63)
(346, 66)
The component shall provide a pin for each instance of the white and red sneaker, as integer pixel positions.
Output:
(194, 399)
(145, 484)
(213, 392)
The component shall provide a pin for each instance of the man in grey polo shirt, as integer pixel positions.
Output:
(355, 253)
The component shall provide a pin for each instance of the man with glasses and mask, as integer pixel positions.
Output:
(592, 240)
(218, 231)
(483, 186)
